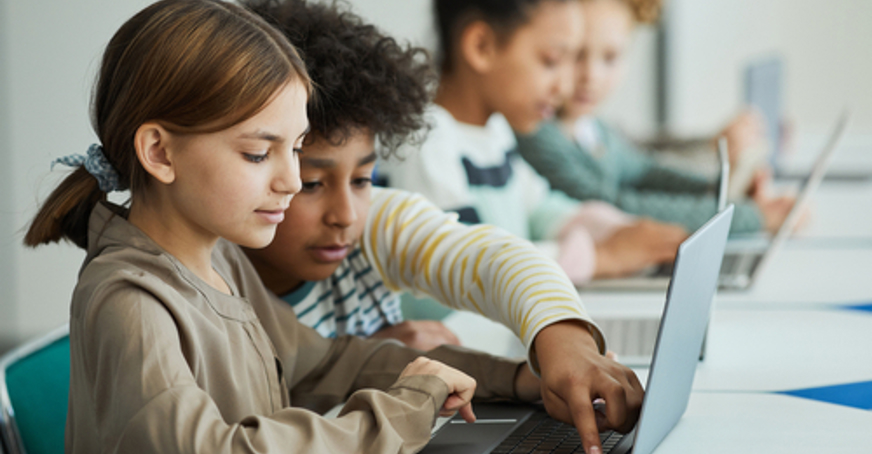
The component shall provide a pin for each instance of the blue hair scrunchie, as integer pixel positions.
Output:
(97, 165)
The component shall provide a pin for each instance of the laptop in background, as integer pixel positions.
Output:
(520, 428)
(763, 87)
(743, 262)
(748, 256)
(657, 277)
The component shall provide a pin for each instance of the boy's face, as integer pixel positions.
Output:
(532, 71)
(326, 219)
(600, 67)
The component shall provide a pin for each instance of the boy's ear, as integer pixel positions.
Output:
(151, 141)
(478, 46)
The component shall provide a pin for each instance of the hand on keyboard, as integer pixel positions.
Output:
(574, 374)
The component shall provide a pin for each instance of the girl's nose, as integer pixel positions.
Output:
(288, 179)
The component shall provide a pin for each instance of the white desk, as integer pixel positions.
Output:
(790, 332)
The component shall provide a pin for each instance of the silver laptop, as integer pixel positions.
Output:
(520, 428)
(746, 257)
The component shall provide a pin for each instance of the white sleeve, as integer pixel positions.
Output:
(417, 247)
(434, 168)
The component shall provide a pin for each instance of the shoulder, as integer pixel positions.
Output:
(125, 280)
(390, 202)
(442, 134)
(548, 137)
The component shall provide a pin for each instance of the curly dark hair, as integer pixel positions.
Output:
(364, 80)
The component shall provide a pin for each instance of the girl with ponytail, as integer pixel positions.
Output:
(175, 344)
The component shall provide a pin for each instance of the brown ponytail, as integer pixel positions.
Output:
(65, 213)
(194, 66)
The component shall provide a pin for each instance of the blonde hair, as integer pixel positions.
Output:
(643, 11)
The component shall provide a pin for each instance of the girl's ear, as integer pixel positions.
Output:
(151, 141)
(478, 46)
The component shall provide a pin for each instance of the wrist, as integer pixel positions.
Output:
(603, 263)
(527, 385)
(575, 332)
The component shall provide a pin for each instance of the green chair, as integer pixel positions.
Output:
(34, 390)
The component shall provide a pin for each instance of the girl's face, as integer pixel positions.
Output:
(532, 72)
(600, 66)
(326, 219)
(237, 183)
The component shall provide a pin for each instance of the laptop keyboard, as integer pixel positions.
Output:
(540, 434)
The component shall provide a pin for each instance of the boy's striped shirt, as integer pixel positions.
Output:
(354, 300)
(411, 245)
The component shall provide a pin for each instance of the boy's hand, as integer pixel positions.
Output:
(461, 387)
(419, 334)
(574, 374)
(637, 246)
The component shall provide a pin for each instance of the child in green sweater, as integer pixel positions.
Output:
(587, 159)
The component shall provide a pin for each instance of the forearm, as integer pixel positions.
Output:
(419, 248)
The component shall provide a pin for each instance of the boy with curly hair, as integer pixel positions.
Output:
(345, 248)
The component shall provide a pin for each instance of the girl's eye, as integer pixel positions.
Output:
(254, 157)
(309, 186)
(298, 150)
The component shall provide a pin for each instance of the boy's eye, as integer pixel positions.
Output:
(255, 157)
(362, 182)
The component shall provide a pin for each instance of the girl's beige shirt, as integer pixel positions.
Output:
(163, 362)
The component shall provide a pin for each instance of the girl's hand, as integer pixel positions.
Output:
(528, 388)
(744, 132)
(632, 248)
(461, 387)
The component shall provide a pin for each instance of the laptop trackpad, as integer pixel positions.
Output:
(492, 426)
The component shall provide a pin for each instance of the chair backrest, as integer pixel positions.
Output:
(34, 390)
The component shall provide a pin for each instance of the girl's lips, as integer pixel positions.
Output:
(273, 217)
(330, 253)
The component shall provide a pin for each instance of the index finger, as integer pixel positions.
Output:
(584, 420)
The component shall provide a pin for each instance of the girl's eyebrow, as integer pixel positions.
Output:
(263, 135)
(270, 137)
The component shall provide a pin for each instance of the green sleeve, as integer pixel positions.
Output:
(641, 172)
(688, 210)
(566, 166)
(638, 186)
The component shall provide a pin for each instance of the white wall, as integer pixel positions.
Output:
(49, 55)
(825, 45)
(8, 251)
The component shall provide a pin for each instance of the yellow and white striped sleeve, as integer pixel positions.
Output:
(417, 247)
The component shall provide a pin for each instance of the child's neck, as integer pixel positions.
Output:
(192, 249)
(462, 99)
(275, 280)
(567, 124)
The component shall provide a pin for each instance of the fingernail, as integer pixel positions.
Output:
(596, 450)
